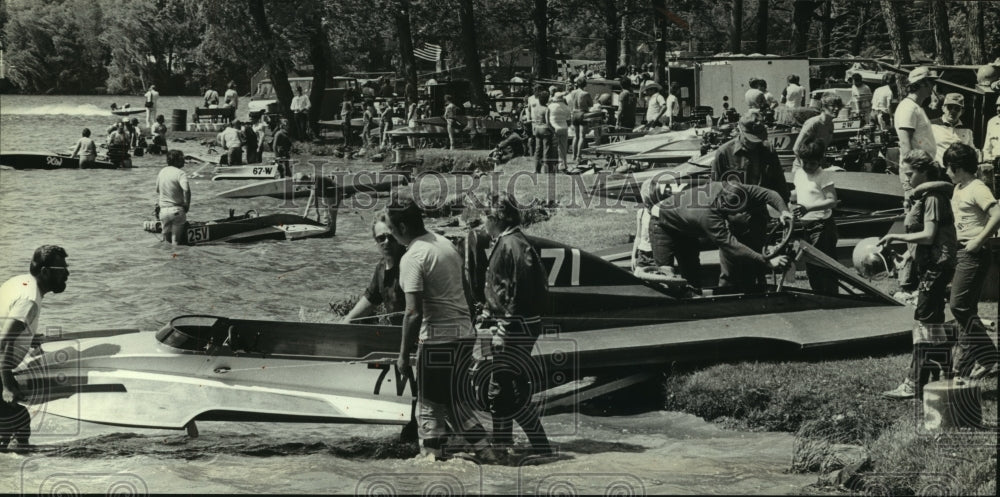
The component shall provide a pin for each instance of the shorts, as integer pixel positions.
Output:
(578, 118)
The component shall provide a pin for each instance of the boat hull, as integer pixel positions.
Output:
(246, 229)
(343, 186)
(43, 160)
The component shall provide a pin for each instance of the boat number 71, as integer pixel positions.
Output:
(558, 256)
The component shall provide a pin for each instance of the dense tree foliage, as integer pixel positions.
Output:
(85, 46)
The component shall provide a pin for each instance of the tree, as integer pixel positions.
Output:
(942, 34)
(540, 16)
(277, 69)
(470, 50)
(612, 33)
(826, 29)
(897, 33)
(401, 14)
(736, 28)
(977, 35)
(625, 49)
(802, 14)
(762, 26)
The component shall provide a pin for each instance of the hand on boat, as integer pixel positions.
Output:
(780, 263)
(403, 362)
(886, 239)
(799, 210)
(787, 217)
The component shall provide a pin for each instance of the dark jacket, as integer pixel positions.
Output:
(759, 167)
(516, 281)
(703, 211)
(384, 289)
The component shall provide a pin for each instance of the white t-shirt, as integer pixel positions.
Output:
(301, 103)
(909, 115)
(673, 106)
(971, 206)
(21, 300)
(232, 98)
(946, 136)
(172, 184)
(653, 108)
(809, 191)
(559, 115)
(882, 99)
(433, 266)
(794, 96)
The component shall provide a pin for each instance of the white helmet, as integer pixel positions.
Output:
(870, 259)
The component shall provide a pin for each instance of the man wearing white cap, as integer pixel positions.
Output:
(948, 128)
(912, 125)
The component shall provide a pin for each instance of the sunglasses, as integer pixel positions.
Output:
(384, 237)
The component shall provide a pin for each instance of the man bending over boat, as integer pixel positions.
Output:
(384, 286)
(173, 198)
(722, 213)
(20, 305)
(431, 276)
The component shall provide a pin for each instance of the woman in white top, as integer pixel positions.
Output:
(815, 198)
(559, 118)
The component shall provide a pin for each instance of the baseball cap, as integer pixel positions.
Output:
(753, 129)
(954, 99)
(919, 74)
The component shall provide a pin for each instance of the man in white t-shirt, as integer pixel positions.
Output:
(673, 103)
(173, 198)
(300, 110)
(437, 318)
(912, 125)
(861, 98)
(20, 305)
(656, 105)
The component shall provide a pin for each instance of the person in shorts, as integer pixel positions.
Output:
(174, 198)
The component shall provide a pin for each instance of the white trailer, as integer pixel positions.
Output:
(726, 79)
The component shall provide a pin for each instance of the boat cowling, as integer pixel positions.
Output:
(194, 332)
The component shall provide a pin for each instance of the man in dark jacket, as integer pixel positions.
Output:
(516, 292)
(720, 212)
(750, 159)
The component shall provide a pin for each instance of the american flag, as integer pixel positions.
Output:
(428, 51)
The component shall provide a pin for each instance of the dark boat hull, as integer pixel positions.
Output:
(42, 160)
(246, 229)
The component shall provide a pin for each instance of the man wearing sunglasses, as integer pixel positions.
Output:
(384, 286)
(20, 304)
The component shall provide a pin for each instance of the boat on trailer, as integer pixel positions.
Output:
(604, 321)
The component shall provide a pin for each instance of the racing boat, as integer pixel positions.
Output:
(858, 192)
(250, 227)
(338, 185)
(45, 160)
(250, 171)
(603, 320)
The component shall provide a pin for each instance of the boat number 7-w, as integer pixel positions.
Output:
(558, 256)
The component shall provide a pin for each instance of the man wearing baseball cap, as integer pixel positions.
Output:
(912, 125)
(749, 159)
(948, 128)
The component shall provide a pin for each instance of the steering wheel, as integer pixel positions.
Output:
(772, 251)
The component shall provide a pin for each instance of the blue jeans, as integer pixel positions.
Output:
(544, 149)
(966, 289)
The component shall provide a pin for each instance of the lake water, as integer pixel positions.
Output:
(124, 277)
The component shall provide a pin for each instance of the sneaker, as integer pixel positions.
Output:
(905, 390)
